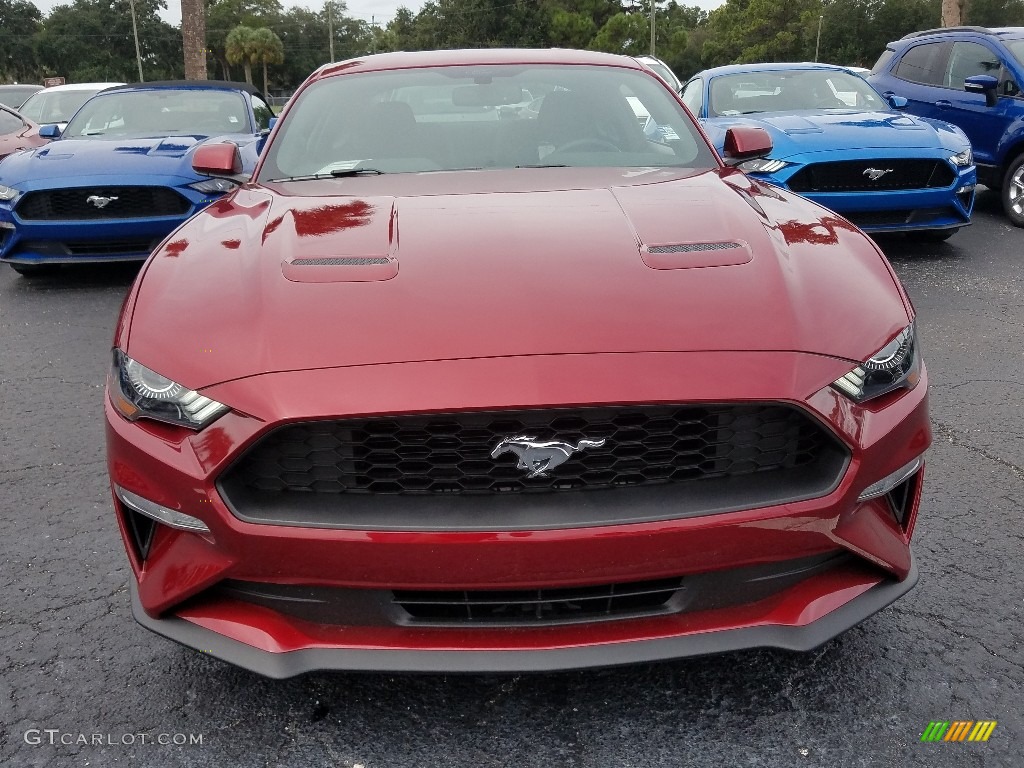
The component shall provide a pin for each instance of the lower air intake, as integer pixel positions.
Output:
(540, 605)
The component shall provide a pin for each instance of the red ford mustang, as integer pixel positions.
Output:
(481, 371)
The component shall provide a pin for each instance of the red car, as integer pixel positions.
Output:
(447, 386)
(17, 132)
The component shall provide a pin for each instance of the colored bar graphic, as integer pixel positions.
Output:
(959, 730)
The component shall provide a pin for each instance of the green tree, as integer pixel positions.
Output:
(93, 40)
(627, 33)
(21, 22)
(267, 49)
(240, 48)
(222, 16)
(995, 13)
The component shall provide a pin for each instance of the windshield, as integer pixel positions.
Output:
(1016, 48)
(788, 90)
(54, 106)
(13, 96)
(161, 112)
(664, 72)
(482, 117)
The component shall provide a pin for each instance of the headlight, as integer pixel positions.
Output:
(762, 165)
(209, 186)
(7, 193)
(962, 159)
(897, 365)
(139, 393)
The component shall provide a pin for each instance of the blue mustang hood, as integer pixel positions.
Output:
(825, 130)
(64, 158)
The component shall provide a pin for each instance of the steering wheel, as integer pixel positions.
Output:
(589, 141)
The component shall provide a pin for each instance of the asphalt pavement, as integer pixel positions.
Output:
(83, 685)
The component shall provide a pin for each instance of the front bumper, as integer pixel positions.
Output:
(764, 634)
(180, 577)
(77, 241)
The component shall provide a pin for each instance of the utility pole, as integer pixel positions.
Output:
(330, 29)
(817, 45)
(373, 33)
(138, 52)
(653, 5)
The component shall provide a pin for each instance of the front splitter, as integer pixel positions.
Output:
(291, 663)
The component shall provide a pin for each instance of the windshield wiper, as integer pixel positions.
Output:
(341, 173)
(335, 174)
(543, 165)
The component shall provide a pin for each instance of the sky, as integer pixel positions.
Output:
(381, 11)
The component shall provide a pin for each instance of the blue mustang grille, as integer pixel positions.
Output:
(79, 203)
(855, 176)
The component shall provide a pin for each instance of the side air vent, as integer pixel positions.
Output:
(343, 261)
(141, 529)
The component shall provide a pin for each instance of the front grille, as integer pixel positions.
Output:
(124, 203)
(108, 247)
(539, 605)
(451, 454)
(849, 176)
(897, 218)
(536, 607)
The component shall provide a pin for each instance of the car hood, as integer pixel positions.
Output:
(506, 267)
(843, 129)
(161, 156)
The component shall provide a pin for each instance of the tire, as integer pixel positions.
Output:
(35, 270)
(933, 235)
(1013, 191)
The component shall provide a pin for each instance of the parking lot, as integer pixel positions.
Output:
(82, 684)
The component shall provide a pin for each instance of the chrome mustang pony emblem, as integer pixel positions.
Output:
(539, 458)
(874, 174)
(99, 201)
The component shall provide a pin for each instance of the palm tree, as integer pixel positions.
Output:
(193, 36)
(268, 49)
(239, 48)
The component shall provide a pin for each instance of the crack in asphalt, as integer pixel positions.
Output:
(952, 436)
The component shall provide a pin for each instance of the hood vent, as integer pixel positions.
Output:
(342, 261)
(692, 255)
(691, 247)
(325, 269)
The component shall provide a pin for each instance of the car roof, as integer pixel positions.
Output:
(208, 85)
(741, 69)
(78, 87)
(467, 57)
(1006, 32)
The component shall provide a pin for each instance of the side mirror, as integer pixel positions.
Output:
(261, 142)
(896, 102)
(49, 131)
(985, 84)
(219, 160)
(746, 143)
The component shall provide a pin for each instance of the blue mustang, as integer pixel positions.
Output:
(839, 143)
(119, 179)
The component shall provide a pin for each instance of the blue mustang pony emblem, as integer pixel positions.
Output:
(539, 458)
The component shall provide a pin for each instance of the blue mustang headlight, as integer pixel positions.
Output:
(962, 159)
(210, 186)
(8, 193)
(763, 165)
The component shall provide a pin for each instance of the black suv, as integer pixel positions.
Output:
(971, 77)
